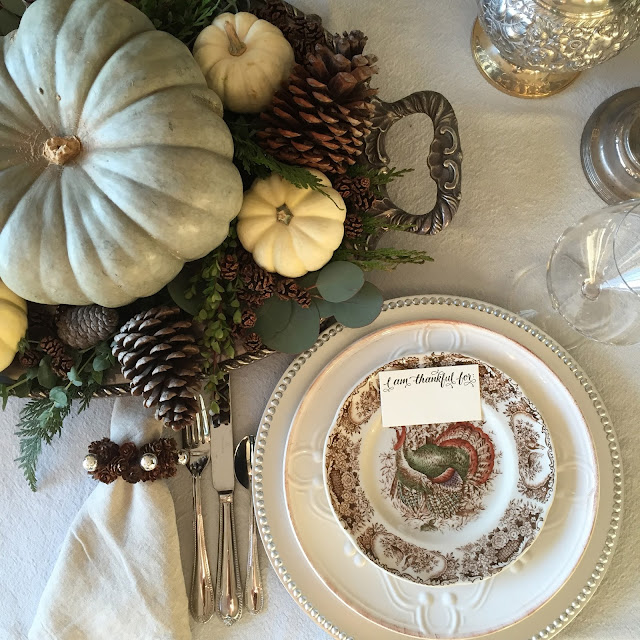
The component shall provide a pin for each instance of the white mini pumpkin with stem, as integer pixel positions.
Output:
(290, 230)
(115, 163)
(13, 324)
(244, 59)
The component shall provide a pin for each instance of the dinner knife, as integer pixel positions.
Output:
(228, 587)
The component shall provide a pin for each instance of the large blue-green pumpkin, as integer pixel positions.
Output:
(115, 162)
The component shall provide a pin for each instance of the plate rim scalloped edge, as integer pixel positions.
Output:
(603, 562)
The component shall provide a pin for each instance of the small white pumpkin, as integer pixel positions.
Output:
(13, 324)
(289, 230)
(115, 163)
(244, 59)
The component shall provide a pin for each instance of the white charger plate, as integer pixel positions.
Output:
(443, 612)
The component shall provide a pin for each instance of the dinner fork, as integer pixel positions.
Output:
(197, 439)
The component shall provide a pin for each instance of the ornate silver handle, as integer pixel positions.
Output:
(201, 598)
(228, 587)
(444, 160)
(253, 594)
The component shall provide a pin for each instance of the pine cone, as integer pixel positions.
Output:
(104, 450)
(289, 289)
(253, 342)
(61, 361)
(256, 278)
(229, 267)
(104, 473)
(159, 355)
(30, 358)
(355, 191)
(84, 327)
(53, 347)
(320, 119)
(302, 32)
(353, 227)
(249, 319)
(165, 449)
(253, 298)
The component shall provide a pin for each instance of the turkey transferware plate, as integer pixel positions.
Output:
(441, 503)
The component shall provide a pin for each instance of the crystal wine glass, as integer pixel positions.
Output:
(593, 275)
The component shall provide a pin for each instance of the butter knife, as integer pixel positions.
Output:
(228, 587)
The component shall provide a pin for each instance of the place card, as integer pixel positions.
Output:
(429, 396)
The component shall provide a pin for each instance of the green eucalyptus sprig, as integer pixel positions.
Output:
(338, 290)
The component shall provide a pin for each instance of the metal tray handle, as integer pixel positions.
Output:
(444, 159)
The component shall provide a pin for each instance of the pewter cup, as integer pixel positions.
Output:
(536, 48)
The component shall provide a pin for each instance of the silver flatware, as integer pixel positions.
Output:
(228, 588)
(253, 591)
(196, 438)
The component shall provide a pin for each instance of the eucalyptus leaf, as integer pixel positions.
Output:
(308, 280)
(325, 309)
(74, 378)
(46, 376)
(340, 281)
(300, 332)
(101, 363)
(22, 390)
(59, 397)
(31, 374)
(273, 316)
(97, 376)
(360, 310)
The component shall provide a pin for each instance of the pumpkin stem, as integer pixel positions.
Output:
(236, 46)
(283, 214)
(60, 150)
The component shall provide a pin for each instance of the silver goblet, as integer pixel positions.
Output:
(536, 48)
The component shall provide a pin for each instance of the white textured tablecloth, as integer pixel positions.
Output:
(522, 186)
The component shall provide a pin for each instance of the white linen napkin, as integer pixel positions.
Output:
(119, 573)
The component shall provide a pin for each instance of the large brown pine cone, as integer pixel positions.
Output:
(321, 117)
(302, 32)
(83, 327)
(158, 353)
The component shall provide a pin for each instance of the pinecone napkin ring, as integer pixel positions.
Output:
(106, 460)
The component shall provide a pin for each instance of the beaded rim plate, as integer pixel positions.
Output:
(290, 564)
(441, 504)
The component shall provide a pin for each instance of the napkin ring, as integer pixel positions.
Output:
(106, 460)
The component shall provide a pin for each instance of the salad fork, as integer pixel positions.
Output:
(197, 440)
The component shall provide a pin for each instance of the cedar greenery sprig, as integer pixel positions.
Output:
(184, 19)
(42, 418)
(377, 177)
(258, 164)
(40, 421)
(386, 259)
